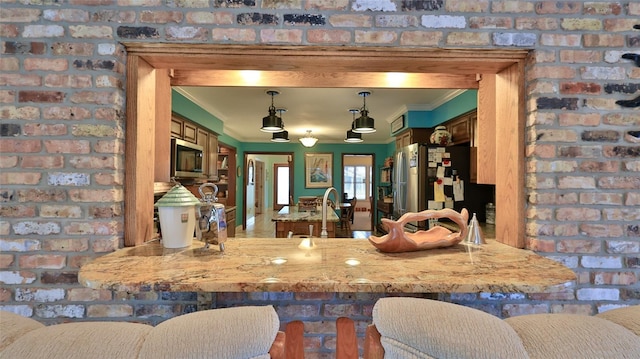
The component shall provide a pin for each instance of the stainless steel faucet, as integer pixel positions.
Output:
(324, 233)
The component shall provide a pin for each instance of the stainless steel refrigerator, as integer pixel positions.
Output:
(417, 170)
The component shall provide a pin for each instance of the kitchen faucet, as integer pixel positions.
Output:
(324, 233)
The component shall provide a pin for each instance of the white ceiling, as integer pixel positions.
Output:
(324, 111)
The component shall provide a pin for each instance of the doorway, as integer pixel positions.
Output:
(262, 194)
(358, 179)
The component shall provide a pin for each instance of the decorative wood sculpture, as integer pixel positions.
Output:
(397, 240)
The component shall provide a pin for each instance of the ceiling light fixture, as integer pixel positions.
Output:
(272, 123)
(353, 137)
(282, 136)
(308, 140)
(364, 123)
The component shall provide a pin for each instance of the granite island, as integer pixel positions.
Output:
(334, 265)
(290, 219)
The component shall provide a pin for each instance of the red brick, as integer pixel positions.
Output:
(38, 129)
(281, 36)
(589, 88)
(580, 56)
(38, 64)
(579, 246)
(42, 162)
(66, 113)
(603, 40)
(40, 96)
(536, 23)
(48, 261)
(423, 38)
(579, 119)
(17, 211)
(7, 79)
(9, 145)
(72, 81)
(329, 36)
(351, 21)
(67, 146)
(73, 48)
(558, 7)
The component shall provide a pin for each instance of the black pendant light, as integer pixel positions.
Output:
(353, 137)
(272, 123)
(282, 136)
(364, 123)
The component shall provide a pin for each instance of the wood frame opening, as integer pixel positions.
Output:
(498, 75)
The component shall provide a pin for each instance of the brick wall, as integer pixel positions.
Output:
(62, 129)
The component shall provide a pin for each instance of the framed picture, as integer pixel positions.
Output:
(318, 171)
(397, 124)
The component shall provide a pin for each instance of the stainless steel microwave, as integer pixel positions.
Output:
(186, 159)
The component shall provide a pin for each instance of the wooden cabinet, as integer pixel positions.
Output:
(413, 135)
(202, 139)
(190, 132)
(176, 126)
(460, 129)
(230, 213)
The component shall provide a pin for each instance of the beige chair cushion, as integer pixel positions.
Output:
(628, 317)
(574, 336)
(13, 326)
(422, 328)
(94, 340)
(241, 332)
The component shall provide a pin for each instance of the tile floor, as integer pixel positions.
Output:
(261, 226)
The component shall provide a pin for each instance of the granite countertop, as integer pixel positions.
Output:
(291, 214)
(335, 265)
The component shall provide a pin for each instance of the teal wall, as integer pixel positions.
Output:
(465, 102)
(415, 119)
(380, 151)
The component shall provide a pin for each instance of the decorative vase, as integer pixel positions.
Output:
(440, 136)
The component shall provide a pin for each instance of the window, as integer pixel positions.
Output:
(356, 181)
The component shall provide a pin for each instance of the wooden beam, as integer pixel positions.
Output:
(324, 59)
(162, 122)
(139, 151)
(321, 79)
(509, 135)
(486, 129)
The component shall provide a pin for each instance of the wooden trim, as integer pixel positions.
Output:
(486, 129)
(508, 95)
(139, 151)
(509, 137)
(225, 78)
(324, 59)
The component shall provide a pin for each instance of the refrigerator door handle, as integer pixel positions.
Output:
(400, 193)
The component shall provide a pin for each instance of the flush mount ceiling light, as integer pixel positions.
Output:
(308, 140)
(282, 136)
(272, 123)
(364, 123)
(353, 137)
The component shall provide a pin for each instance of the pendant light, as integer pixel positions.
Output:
(364, 123)
(353, 137)
(272, 123)
(282, 136)
(308, 140)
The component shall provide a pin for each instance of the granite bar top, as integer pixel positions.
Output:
(334, 265)
(291, 214)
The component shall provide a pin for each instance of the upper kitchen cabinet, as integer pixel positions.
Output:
(462, 128)
(413, 135)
